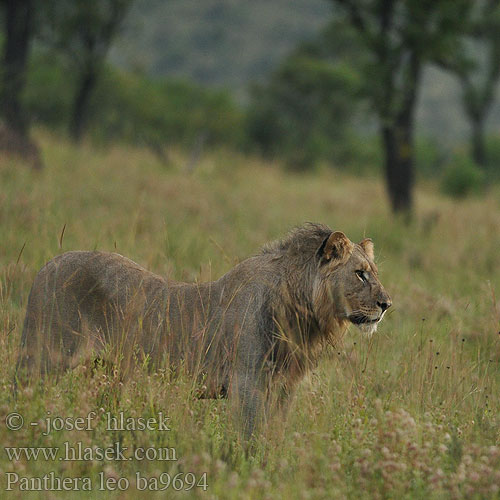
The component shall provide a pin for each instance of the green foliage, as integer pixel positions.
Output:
(492, 167)
(133, 108)
(430, 157)
(229, 43)
(462, 177)
(412, 32)
(474, 60)
(49, 90)
(82, 29)
(140, 110)
(361, 154)
(397, 39)
(305, 111)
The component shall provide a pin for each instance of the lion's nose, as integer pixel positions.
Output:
(384, 305)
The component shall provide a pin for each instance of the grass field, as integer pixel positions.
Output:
(412, 413)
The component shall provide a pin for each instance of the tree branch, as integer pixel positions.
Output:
(357, 20)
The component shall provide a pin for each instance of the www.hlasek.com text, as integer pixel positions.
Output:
(78, 452)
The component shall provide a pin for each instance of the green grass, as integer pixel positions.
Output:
(412, 413)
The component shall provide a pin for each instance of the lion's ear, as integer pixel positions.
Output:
(336, 247)
(367, 246)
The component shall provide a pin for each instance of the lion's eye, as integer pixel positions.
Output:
(362, 276)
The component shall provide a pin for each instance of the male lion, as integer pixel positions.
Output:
(258, 327)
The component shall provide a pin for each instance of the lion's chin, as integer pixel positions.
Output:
(368, 329)
(366, 325)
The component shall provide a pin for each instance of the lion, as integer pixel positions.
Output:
(250, 334)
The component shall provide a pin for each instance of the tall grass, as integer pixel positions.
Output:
(412, 413)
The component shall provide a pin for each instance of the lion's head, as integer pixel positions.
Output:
(347, 281)
(333, 278)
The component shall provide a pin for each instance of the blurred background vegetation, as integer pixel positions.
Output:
(397, 86)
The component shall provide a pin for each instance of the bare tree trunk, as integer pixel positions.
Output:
(96, 32)
(398, 146)
(398, 141)
(14, 132)
(18, 29)
(478, 141)
(83, 93)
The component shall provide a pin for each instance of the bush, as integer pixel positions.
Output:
(430, 157)
(363, 154)
(493, 156)
(141, 110)
(132, 108)
(304, 113)
(49, 90)
(462, 177)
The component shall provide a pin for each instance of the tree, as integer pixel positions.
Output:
(84, 31)
(304, 112)
(400, 36)
(477, 67)
(19, 30)
(18, 35)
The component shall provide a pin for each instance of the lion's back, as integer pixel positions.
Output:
(79, 291)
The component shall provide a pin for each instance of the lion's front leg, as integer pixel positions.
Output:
(248, 401)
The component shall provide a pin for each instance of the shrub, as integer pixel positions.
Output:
(462, 177)
(49, 90)
(132, 108)
(493, 155)
(430, 157)
(304, 113)
(141, 110)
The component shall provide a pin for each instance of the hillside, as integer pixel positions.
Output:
(217, 42)
(231, 44)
